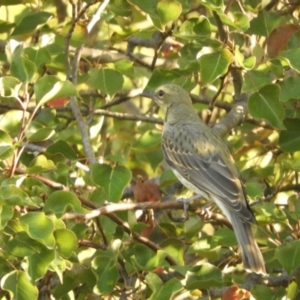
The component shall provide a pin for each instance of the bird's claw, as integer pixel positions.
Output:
(186, 203)
(205, 212)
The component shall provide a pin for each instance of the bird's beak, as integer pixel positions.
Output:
(148, 94)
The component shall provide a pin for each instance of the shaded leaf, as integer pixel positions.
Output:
(289, 139)
(265, 104)
(162, 290)
(254, 80)
(107, 274)
(288, 254)
(106, 80)
(289, 89)
(112, 179)
(32, 22)
(204, 276)
(38, 263)
(292, 56)
(214, 65)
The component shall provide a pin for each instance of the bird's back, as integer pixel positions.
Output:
(201, 158)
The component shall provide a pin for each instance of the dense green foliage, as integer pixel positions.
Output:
(74, 134)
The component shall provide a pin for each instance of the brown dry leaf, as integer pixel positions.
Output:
(146, 191)
(235, 293)
(279, 37)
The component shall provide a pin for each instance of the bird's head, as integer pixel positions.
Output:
(169, 95)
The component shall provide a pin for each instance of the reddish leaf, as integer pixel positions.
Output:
(235, 293)
(146, 191)
(59, 102)
(278, 39)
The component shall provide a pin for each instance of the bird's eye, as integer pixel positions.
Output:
(161, 93)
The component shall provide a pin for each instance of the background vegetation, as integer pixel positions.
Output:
(75, 135)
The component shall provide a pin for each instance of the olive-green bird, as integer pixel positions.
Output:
(203, 163)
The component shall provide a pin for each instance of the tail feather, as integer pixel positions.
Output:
(251, 255)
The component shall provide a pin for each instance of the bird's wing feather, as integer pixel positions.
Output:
(204, 166)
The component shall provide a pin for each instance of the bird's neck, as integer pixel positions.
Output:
(181, 114)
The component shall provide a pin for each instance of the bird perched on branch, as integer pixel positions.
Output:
(203, 163)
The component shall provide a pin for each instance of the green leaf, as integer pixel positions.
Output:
(237, 20)
(197, 29)
(162, 290)
(125, 67)
(12, 195)
(288, 254)
(289, 89)
(31, 23)
(149, 141)
(216, 5)
(265, 22)
(265, 104)
(6, 213)
(9, 86)
(148, 7)
(146, 259)
(61, 201)
(19, 286)
(22, 245)
(167, 178)
(168, 10)
(174, 248)
(36, 132)
(11, 2)
(5, 26)
(66, 241)
(49, 87)
(292, 56)
(214, 65)
(6, 147)
(254, 80)
(22, 68)
(120, 8)
(40, 164)
(254, 189)
(39, 56)
(62, 147)
(106, 80)
(187, 59)
(162, 76)
(289, 139)
(38, 263)
(260, 291)
(39, 227)
(104, 267)
(203, 277)
(112, 179)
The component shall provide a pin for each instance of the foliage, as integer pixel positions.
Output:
(74, 133)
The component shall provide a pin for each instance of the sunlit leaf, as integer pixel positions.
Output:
(19, 286)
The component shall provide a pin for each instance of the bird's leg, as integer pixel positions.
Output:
(186, 203)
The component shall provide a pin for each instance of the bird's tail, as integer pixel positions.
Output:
(251, 255)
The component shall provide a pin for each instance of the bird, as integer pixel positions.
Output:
(203, 163)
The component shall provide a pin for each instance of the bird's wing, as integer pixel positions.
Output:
(200, 162)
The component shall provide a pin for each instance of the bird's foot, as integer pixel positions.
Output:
(186, 203)
(205, 212)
